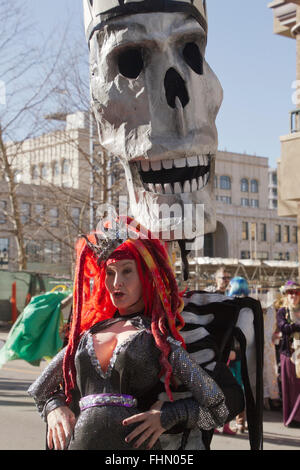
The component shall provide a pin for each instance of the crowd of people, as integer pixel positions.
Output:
(281, 373)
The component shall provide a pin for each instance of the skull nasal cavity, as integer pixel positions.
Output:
(175, 86)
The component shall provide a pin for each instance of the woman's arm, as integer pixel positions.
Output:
(51, 404)
(205, 409)
(46, 390)
(283, 325)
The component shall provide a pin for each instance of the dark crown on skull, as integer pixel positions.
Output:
(98, 12)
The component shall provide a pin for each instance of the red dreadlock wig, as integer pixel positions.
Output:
(162, 299)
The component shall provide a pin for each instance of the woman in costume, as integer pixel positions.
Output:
(100, 391)
(271, 340)
(288, 321)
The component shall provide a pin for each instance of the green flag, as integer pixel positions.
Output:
(35, 334)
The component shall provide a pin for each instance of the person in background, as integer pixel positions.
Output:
(277, 338)
(272, 400)
(288, 322)
(222, 277)
(238, 287)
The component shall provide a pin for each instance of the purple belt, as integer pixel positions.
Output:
(107, 399)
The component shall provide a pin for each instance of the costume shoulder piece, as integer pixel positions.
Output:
(211, 321)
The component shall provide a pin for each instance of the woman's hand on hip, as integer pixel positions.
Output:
(61, 423)
(150, 427)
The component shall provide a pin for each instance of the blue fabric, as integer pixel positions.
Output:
(235, 367)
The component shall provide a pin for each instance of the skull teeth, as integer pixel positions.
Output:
(182, 175)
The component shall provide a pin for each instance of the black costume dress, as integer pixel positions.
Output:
(133, 370)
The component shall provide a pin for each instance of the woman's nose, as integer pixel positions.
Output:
(118, 281)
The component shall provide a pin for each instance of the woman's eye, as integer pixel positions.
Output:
(193, 57)
(130, 63)
(127, 271)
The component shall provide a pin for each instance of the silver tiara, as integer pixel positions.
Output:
(103, 247)
(98, 12)
(107, 240)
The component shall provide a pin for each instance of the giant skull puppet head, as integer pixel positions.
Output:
(155, 100)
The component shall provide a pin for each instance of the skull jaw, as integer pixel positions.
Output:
(184, 216)
(145, 209)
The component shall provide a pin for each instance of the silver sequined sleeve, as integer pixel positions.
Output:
(206, 409)
(45, 390)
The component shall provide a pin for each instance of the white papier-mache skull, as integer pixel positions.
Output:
(155, 100)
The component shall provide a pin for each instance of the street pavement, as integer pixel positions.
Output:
(275, 436)
(21, 427)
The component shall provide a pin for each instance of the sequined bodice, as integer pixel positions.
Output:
(104, 349)
(138, 352)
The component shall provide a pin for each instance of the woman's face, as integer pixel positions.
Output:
(293, 297)
(124, 286)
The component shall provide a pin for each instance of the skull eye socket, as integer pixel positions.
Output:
(130, 63)
(193, 57)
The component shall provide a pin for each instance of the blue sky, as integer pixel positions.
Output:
(256, 68)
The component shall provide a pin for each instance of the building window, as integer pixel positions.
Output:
(253, 230)
(4, 244)
(25, 213)
(254, 186)
(245, 254)
(39, 213)
(225, 182)
(254, 203)
(3, 208)
(55, 169)
(263, 232)
(278, 233)
(245, 231)
(294, 234)
(244, 185)
(65, 167)
(244, 202)
(34, 251)
(216, 181)
(286, 234)
(75, 215)
(282, 256)
(53, 216)
(34, 172)
(274, 191)
(17, 176)
(274, 178)
(44, 171)
(51, 252)
(225, 199)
